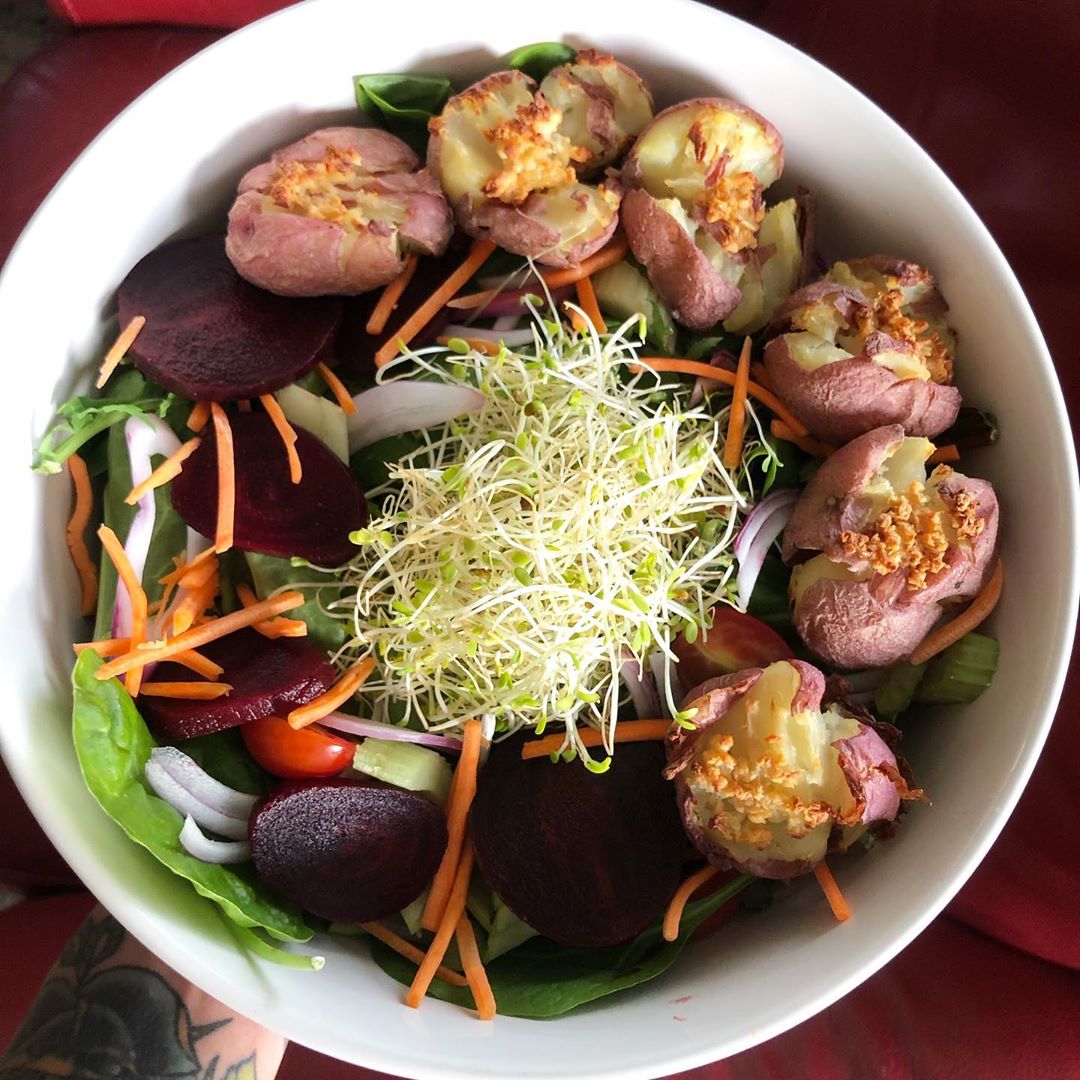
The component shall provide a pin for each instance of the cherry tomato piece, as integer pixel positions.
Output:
(296, 755)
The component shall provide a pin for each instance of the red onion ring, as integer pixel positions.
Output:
(350, 725)
(393, 408)
(195, 842)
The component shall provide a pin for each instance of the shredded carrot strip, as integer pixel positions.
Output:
(174, 577)
(388, 301)
(478, 254)
(337, 387)
(337, 695)
(287, 433)
(76, 529)
(194, 661)
(832, 892)
(194, 606)
(106, 647)
(462, 792)
(136, 596)
(673, 915)
(474, 969)
(736, 431)
(586, 297)
(578, 322)
(201, 665)
(605, 257)
(119, 347)
(947, 453)
(200, 635)
(625, 731)
(978, 610)
(806, 443)
(166, 471)
(481, 345)
(187, 691)
(455, 907)
(226, 478)
(200, 413)
(272, 628)
(197, 574)
(707, 371)
(411, 952)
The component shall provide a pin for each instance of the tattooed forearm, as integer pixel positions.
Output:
(110, 1009)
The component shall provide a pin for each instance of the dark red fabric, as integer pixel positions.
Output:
(989, 88)
(214, 14)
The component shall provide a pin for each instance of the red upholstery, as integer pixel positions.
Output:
(963, 76)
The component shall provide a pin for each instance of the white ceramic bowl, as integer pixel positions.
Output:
(172, 159)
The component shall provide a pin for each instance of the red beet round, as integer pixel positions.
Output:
(273, 515)
(268, 676)
(347, 850)
(211, 335)
(585, 859)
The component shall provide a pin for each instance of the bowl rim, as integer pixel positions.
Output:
(143, 925)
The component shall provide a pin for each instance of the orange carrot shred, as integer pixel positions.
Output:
(211, 630)
(411, 952)
(119, 347)
(187, 691)
(200, 413)
(201, 665)
(109, 647)
(136, 597)
(287, 433)
(974, 614)
(166, 471)
(226, 478)
(105, 648)
(673, 915)
(455, 907)
(832, 892)
(388, 301)
(272, 628)
(586, 298)
(337, 695)
(76, 529)
(736, 431)
(462, 792)
(481, 345)
(474, 969)
(337, 387)
(707, 371)
(806, 443)
(578, 322)
(625, 731)
(944, 454)
(478, 255)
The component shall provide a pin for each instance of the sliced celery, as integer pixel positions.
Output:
(624, 292)
(323, 418)
(412, 914)
(405, 765)
(960, 673)
(897, 688)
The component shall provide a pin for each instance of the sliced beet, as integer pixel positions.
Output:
(268, 676)
(273, 515)
(584, 859)
(347, 850)
(211, 335)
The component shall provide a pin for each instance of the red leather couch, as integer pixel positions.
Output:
(989, 87)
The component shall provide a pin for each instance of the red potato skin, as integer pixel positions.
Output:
(691, 287)
(841, 401)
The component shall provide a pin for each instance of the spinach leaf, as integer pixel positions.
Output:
(82, 417)
(540, 979)
(370, 465)
(769, 600)
(113, 744)
(269, 573)
(403, 103)
(537, 60)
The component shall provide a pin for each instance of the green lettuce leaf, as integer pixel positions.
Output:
(403, 104)
(537, 60)
(269, 573)
(113, 745)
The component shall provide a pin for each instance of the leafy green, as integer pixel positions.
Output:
(223, 755)
(403, 103)
(769, 600)
(370, 465)
(270, 573)
(537, 60)
(82, 417)
(541, 979)
(113, 745)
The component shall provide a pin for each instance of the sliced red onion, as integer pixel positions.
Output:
(511, 302)
(210, 792)
(170, 789)
(505, 322)
(721, 359)
(642, 689)
(506, 337)
(145, 436)
(195, 842)
(762, 526)
(407, 405)
(365, 729)
(487, 735)
(501, 281)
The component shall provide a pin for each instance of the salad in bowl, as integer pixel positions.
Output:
(508, 540)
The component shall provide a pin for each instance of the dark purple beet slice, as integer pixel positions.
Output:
(347, 850)
(210, 334)
(273, 515)
(268, 676)
(585, 859)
